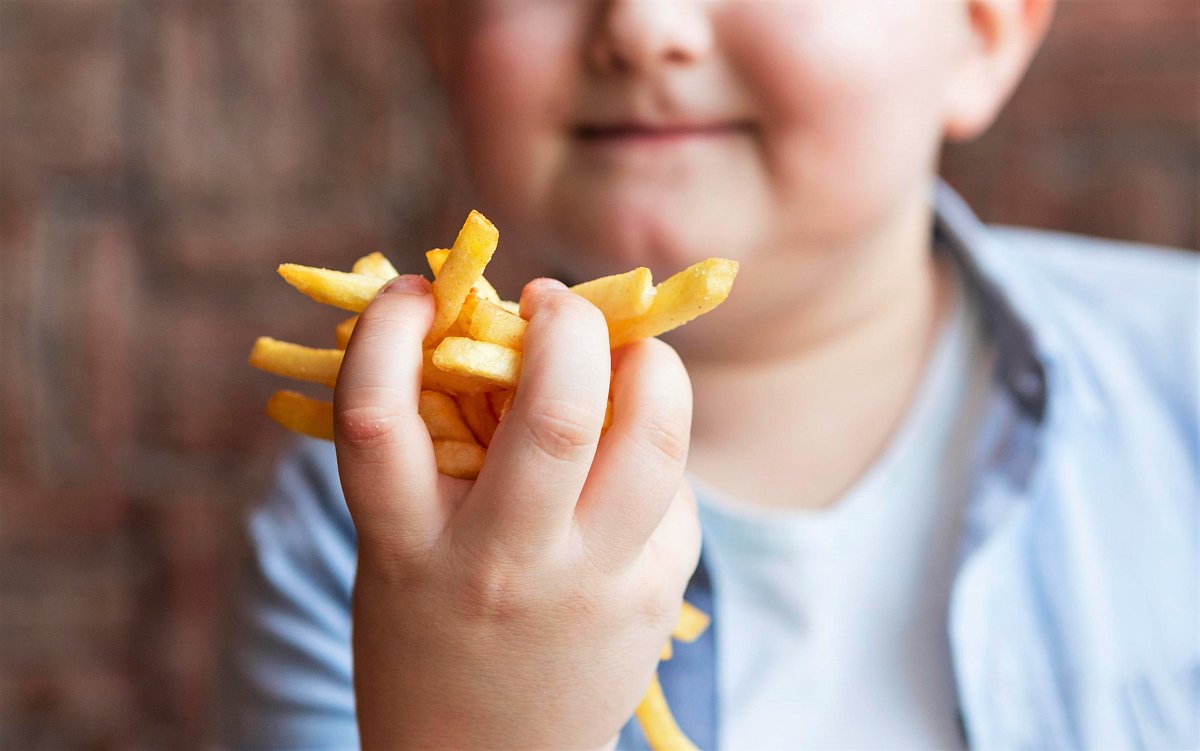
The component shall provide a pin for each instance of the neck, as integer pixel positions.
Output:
(793, 415)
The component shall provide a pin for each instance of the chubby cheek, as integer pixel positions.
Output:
(512, 87)
(850, 95)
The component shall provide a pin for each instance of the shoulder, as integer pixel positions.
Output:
(1101, 544)
(1137, 288)
(1121, 315)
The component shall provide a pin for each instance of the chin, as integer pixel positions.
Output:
(666, 234)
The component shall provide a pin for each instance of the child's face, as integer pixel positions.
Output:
(614, 133)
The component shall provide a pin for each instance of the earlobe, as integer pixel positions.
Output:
(1004, 36)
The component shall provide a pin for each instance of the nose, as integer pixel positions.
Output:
(634, 36)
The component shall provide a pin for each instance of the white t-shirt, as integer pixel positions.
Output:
(832, 623)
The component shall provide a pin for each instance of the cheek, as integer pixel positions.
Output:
(851, 100)
(512, 86)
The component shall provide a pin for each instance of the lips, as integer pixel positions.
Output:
(653, 133)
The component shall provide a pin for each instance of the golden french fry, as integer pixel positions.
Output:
(691, 624)
(477, 413)
(658, 724)
(458, 458)
(491, 363)
(441, 416)
(467, 314)
(483, 287)
(342, 333)
(608, 415)
(462, 269)
(375, 265)
(434, 378)
(686, 295)
(435, 258)
(296, 361)
(302, 414)
(620, 297)
(667, 652)
(491, 323)
(500, 402)
(352, 292)
(510, 306)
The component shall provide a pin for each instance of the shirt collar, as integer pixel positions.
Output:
(1019, 368)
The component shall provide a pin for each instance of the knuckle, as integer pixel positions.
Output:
(491, 593)
(562, 429)
(662, 603)
(363, 426)
(665, 436)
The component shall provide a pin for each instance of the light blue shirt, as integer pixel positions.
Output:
(1074, 616)
(855, 593)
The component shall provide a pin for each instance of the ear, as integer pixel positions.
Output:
(1002, 37)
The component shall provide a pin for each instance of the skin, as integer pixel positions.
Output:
(527, 610)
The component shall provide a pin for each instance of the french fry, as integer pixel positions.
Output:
(435, 258)
(467, 314)
(691, 624)
(477, 413)
(295, 361)
(658, 724)
(491, 363)
(510, 306)
(322, 365)
(434, 378)
(483, 288)
(352, 292)
(686, 295)
(620, 297)
(342, 332)
(500, 402)
(376, 266)
(462, 268)
(491, 323)
(667, 653)
(458, 458)
(302, 414)
(608, 415)
(442, 418)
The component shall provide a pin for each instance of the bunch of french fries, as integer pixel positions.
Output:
(473, 350)
(472, 365)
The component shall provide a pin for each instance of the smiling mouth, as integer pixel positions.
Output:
(633, 134)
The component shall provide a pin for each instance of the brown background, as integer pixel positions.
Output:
(158, 157)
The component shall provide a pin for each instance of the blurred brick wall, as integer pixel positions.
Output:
(158, 157)
(1103, 137)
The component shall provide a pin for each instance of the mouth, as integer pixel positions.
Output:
(647, 134)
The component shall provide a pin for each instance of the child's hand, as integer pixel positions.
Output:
(526, 609)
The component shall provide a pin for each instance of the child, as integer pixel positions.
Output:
(947, 475)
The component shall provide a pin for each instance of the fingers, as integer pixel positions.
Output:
(540, 455)
(385, 457)
(639, 464)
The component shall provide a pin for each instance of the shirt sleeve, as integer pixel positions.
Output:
(287, 680)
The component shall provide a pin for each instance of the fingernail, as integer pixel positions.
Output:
(406, 284)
